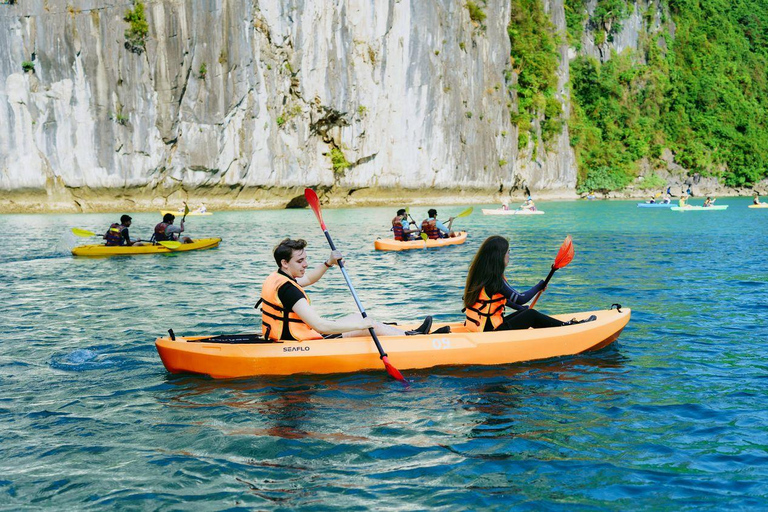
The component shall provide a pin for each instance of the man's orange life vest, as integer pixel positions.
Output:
(429, 226)
(273, 316)
(485, 307)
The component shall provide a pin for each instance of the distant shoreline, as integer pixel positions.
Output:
(271, 198)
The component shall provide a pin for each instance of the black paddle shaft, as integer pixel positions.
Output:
(382, 354)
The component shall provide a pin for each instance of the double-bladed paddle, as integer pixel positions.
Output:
(314, 203)
(87, 234)
(563, 258)
(466, 212)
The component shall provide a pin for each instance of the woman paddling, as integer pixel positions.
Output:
(487, 292)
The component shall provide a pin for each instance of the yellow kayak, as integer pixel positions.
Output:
(122, 250)
(390, 244)
(245, 355)
(761, 205)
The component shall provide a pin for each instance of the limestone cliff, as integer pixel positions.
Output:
(252, 99)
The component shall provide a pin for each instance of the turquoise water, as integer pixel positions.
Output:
(673, 416)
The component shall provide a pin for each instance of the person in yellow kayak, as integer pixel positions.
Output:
(401, 227)
(286, 312)
(756, 199)
(166, 231)
(434, 228)
(117, 234)
(487, 294)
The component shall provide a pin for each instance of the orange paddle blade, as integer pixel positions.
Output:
(314, 203)
(565, 254)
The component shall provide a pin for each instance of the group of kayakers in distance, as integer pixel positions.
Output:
(433, 228)
(117, 234)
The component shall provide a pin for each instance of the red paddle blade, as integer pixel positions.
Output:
(565, 254)
(314, 203)
(392, 371)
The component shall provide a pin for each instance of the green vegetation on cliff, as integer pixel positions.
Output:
(534, 57)
(138, 28)
(705, 98)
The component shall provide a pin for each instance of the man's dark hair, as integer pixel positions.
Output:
(125, 218)
(168, 218)
(401, 211)
(432, 212)
(284, 250)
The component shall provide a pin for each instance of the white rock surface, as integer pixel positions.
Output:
(385, 81)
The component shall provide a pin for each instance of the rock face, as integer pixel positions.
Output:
(235, 96)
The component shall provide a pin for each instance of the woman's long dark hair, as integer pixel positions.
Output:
(486, 270)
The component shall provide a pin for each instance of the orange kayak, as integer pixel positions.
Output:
(390, 244)
(246, 355)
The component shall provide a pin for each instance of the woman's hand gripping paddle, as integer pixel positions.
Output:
(563, 258)
(465, 213)
(314, 203)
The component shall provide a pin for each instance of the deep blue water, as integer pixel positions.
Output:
(674, 416)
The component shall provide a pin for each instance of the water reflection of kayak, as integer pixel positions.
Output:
(390, 244)
(499, 211)
(248, 355)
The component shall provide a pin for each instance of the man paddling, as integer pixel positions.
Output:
(166, 231)
(401, 227)
(287, 314)
(118, 235)
(434, 228)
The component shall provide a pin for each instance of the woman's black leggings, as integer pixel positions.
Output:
(528, 318)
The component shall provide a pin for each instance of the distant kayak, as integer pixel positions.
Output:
(698, 208)
(655, 205)
(122, 250)
(499, 211)
(761, 205)
(390, 244)
(176, 213)
(248, 355)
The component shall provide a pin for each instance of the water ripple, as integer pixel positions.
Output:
(672, 417)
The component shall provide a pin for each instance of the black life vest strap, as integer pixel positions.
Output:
(282, 318)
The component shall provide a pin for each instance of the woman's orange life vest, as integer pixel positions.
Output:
(429, 226)
(273, 316)
(485, 308)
